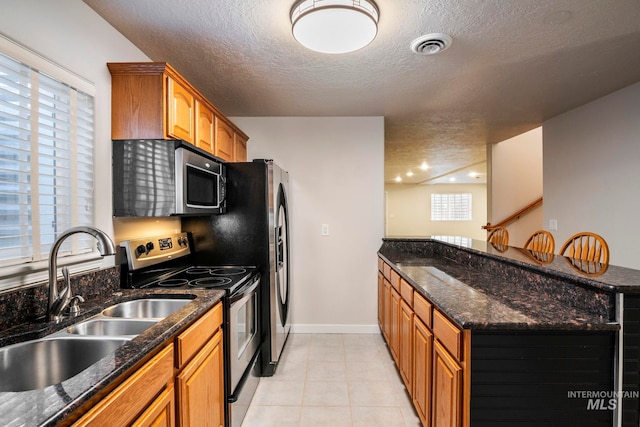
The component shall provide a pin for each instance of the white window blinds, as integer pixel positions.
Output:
(451, 207)
(46, 163)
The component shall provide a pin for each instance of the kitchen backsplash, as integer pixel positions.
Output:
(29, 304)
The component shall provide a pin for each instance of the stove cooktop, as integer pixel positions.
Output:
(163, 262)
(207, 277)
(204, 277)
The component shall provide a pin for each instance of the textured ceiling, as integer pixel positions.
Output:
(512, 65)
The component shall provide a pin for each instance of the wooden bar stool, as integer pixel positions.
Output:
(586, 246)
(541, 241)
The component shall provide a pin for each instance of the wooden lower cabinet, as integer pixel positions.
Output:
(380, 300)
(386, 301)
(135, 395)
(161, 413)
(447, 389)
(394, 332)
(422, 357)
(405, 356)
(200, 387)
(432, 366)
(194, 362)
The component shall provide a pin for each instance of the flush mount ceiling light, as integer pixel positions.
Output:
(334, 26)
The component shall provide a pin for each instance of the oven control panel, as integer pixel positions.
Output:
(149, 251)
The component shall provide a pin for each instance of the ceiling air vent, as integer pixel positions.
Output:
(431, 44)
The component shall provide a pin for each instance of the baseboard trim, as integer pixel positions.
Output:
(335, 329)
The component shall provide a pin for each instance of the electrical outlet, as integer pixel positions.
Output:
(324, 230)
(553, 224)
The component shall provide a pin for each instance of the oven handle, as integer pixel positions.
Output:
(249, 288)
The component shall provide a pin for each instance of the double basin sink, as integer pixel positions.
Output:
(57, 357)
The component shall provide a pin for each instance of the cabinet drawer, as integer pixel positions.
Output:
(406, 290)
(386, 270)
(422, 308)
(448, 334)
(193, 339)
(395, 280)
(132, 396)
(380, 264)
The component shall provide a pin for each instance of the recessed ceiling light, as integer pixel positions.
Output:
(431, 44)
(398, 178)
(334, 26)
(452, 179)
(424, 166)
(409, 173)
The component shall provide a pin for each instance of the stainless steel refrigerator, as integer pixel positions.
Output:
(254, 231)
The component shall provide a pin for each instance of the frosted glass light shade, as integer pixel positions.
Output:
(334, 26)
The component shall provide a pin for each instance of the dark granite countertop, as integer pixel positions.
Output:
(481, 293)
(51, 405)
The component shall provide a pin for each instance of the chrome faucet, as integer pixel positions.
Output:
(59, 300)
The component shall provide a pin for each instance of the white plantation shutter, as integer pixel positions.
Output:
(46, 162)
(451, 207)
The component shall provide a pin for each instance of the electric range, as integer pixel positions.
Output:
(166, 262)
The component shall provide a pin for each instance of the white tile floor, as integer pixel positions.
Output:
(333, 380)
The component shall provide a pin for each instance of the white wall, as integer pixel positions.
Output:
(71, 34)
(591, 173)
(336, 178)
(516, 181)
(408, 211)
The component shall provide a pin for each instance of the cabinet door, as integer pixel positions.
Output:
(406, 343)
(240, 146)
(386, 326)
(224, 140)
(447, 389)
(180, 111)
(205, 128)
(134, 395)
(394, 334)
(201, 387)
(380, 300)
(161, 413)
(422, 357)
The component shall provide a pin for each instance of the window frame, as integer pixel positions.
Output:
(453, 207)
(30, 273)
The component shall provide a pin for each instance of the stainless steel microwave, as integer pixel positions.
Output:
(158, 178)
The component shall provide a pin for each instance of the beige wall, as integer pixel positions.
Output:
(408, 211)
(592, 171)
(516, 181)
(336, 168)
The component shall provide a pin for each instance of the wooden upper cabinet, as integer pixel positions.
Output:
(151, 100)
(224, 140)
(240, 146)
(181, 111)
(205, 128)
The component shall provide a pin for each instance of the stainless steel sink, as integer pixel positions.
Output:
(154, 308)
(40, 363)
(111, 327)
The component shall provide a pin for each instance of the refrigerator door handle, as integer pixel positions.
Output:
(279, 248)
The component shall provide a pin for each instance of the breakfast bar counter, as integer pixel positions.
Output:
(504, 336)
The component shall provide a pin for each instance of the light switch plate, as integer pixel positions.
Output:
(553, 224)
(324, 230)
